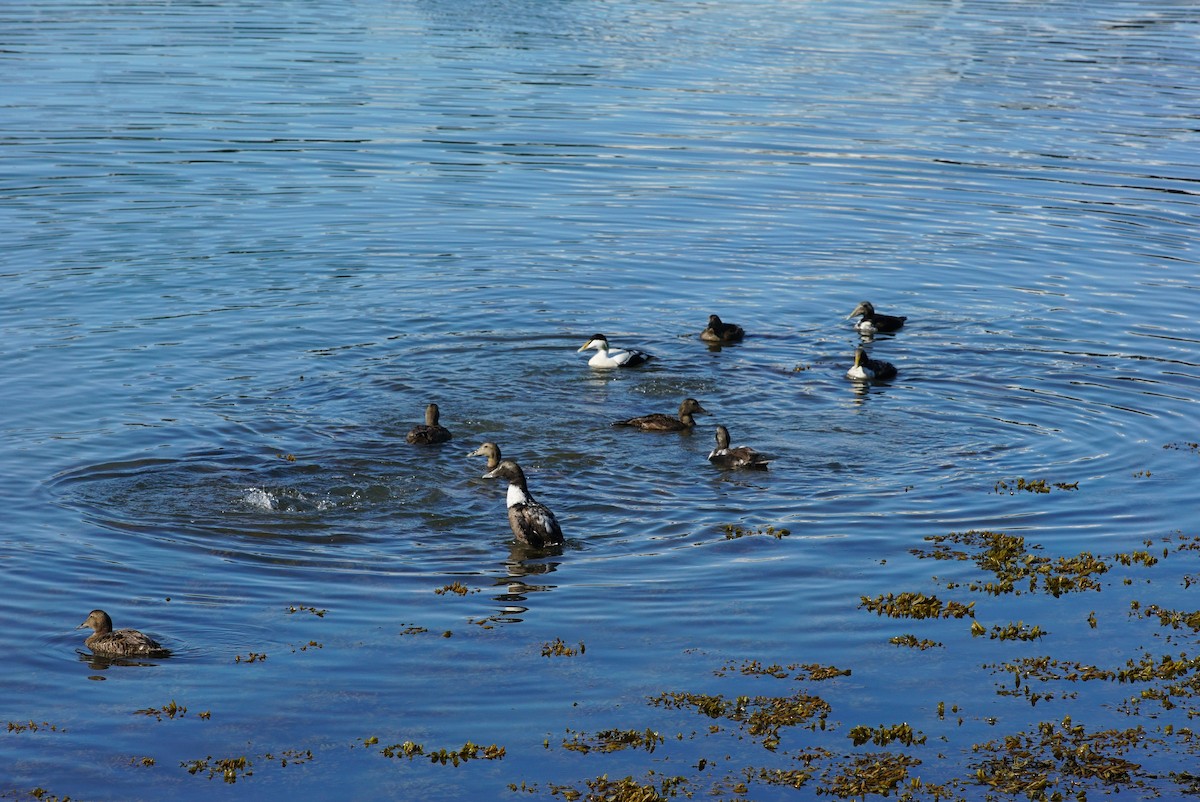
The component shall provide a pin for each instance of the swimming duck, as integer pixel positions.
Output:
(718, 332)
(872, 321)
(736, 458)
(489, 450)
(122, 643)
(619, 358)
(867, 369)
(430, 431)
(659, 422)
(531, 521)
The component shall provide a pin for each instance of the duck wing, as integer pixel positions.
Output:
(656, 422)
(534, 524)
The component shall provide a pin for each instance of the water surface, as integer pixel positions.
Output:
(246, 245)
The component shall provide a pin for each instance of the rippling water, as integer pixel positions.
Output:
(245, 246)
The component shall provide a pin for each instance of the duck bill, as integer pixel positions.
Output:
(586, 346)
(858, 310)
(491, 474)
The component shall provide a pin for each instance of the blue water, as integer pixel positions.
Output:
(246, 244)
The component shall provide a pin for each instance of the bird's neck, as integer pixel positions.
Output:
(516, 495)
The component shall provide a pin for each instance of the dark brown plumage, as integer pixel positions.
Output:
(658, 422)
(740, 457)
(122, 643)
(718, 332)
(867, 369)
(431, 431)
(532, 522)
(872, 321)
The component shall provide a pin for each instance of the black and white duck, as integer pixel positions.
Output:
(873, 321)
(122, 643)
(658, 422)
(430, 431)
(719, 332)
(532, 522)
(737, 458)
(867, 369)
(605, 357)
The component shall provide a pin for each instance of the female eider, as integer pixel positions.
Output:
(619, 358)
(872, 321)
(122, 643)
(736, 458)
(489, 450)
(658, 422)
(867, 369)
(718, 332)
(430, 431)
(531, 522)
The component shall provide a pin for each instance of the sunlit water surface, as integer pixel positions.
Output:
(246, 244)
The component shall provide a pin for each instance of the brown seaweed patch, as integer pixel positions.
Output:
(252, 657)
(33, 726)
(613, 740)
(469, 751)
(1031, 486)
(734, 531)
(170, 710)
(296, 756)
(454, 587)
(558, 648)
(312, 644)
(882, 736)
(878, 774)
(1174, 618)
(916, 605)
(1017, 631)
(627, 789)
(912, 642)
(1184, 446)
(1010, 561)
(145, 762)
(761, 716)
(297, 608)
(802, 671)
(42, 795)
(230, 768)
(1057, 758)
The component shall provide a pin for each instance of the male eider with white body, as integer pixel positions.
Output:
(531, 521)
(738, 458)
(122, 643)
(431, 431)
(866, 369)
(719, 332)
(614, 358)
(658, 422)
(489, 450)
(873, 321)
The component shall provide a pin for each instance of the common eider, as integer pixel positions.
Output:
(430, 431)
(867, 369)
(531, 521)
(872, 321)
(658, 422)
(618, 358)
(489, 450)
(736, 458)
(122, 643)
(718, 332)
